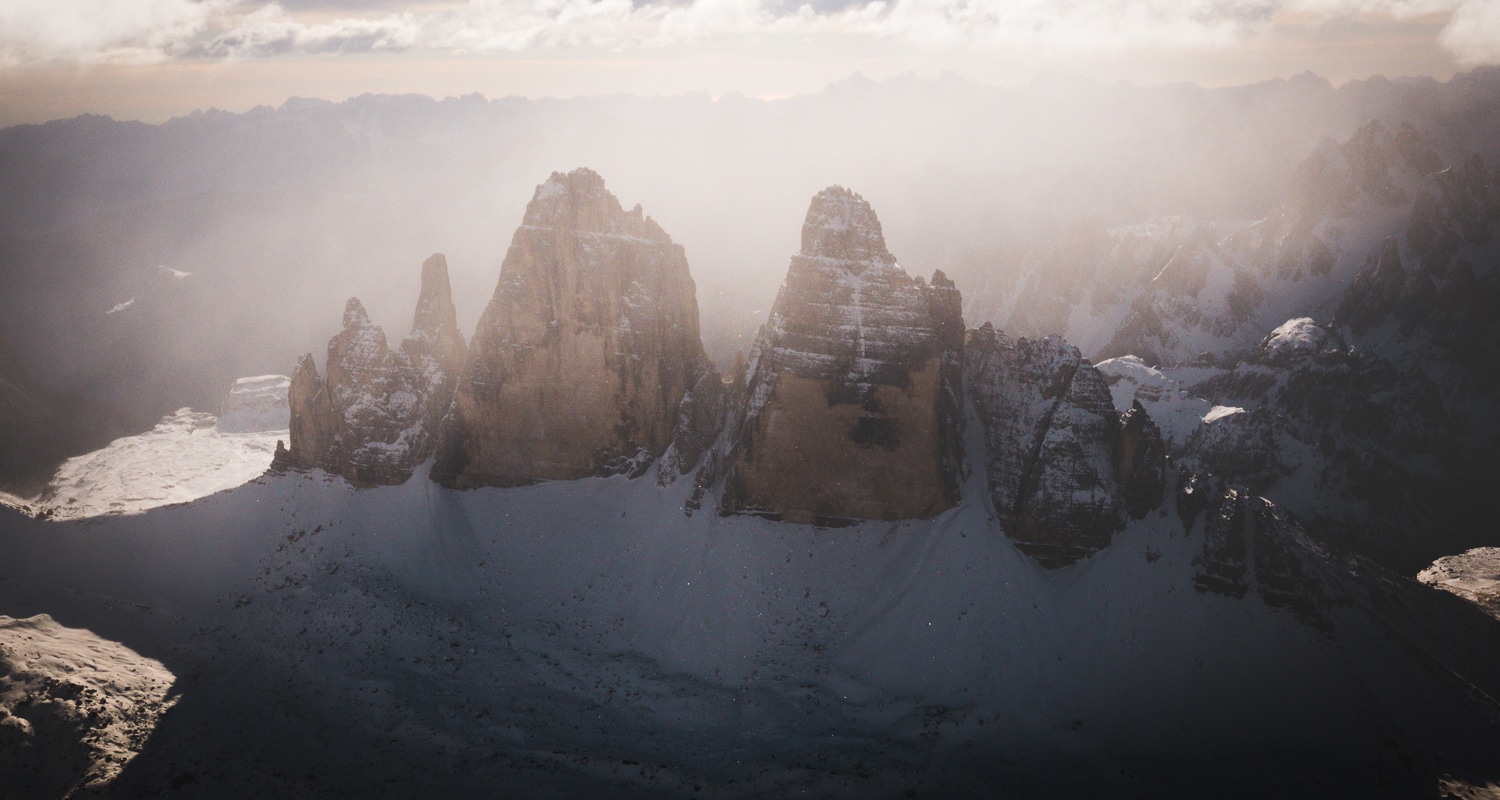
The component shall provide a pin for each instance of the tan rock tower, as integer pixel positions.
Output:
(580, 360)
(853, 391)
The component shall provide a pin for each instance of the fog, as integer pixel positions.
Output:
(279, 215)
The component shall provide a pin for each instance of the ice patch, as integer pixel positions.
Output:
(122, 306)
(172, 273)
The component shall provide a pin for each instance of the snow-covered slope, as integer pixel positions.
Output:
(1176, 411)
(74, 708)
(189, 454)
(589, 638)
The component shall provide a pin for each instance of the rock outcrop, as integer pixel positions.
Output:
(584, 353)
(854, 384)
(1139, 458)
(1062, 467)
(374, 418)
(1249, 542)
(1345, 439)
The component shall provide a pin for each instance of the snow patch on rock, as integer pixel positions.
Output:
(1220, 412)
(1296, 337)
(1176, 412)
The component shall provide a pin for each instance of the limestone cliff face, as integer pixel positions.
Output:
(375, 417)
(1062, 468)
(584, 353)
(853, 398)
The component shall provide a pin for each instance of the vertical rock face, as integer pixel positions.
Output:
(585, 351)
(1062, 468)
(374, 418)
(853, 392)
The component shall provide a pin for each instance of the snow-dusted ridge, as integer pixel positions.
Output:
(74, 708)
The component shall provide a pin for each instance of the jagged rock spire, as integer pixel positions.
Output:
(436, 319)
(375, 416)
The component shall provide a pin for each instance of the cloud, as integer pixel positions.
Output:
(1473, 34)
(1064, 25)
(92, 31)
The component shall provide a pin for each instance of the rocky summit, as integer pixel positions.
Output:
(853, 390)
(584, 353)
(374, 418)
(1063, 468)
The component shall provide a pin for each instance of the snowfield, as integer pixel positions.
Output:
(188, 455)
(590, 638)
(183, 458)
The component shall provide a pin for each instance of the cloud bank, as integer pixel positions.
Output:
(135, 31)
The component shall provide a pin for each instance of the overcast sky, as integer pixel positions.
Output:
(152, 59)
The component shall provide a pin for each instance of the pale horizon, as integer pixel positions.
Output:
(151, 60)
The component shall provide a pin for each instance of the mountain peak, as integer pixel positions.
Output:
(579, 202)
(841, 226)
(355, 315)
